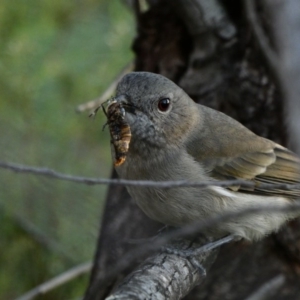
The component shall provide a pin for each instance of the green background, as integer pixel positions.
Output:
(54, 55)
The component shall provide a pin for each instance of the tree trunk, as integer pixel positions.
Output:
(209, 48)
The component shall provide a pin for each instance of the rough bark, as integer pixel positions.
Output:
(224, 68)
(165, 275)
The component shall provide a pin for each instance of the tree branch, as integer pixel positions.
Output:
(268, 53)
(268, 289)
(167, 276)
(57, 281)
(285, 15)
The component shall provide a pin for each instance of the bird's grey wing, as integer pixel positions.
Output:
(228, 150)
(272, 165)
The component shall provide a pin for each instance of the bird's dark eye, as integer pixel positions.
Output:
(163, 104)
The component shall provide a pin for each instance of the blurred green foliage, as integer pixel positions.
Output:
(54, 55)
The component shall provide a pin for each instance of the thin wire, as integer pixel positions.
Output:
(142, 183)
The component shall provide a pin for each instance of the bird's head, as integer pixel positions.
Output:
(159, 113)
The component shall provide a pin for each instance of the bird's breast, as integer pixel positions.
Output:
(173, 206)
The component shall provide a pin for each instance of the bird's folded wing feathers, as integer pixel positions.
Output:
(272, 165)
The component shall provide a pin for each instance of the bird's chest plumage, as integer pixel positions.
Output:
(169, 206)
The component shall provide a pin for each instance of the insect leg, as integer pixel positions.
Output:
(103, 108)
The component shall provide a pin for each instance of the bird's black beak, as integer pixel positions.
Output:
(124, 101)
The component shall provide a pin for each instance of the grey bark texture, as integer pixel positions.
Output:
(165, 276)
(210, 49)
(286, 28)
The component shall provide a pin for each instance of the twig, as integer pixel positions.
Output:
(93, 104)
(57, 281)
(188, 230)
(268, 289)
(142, 183)
(268, 53)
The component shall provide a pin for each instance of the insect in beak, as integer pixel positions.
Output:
(119, 129)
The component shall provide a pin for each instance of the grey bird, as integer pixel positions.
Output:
(173, 138)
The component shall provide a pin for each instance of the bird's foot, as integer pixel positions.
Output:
(191, 254)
